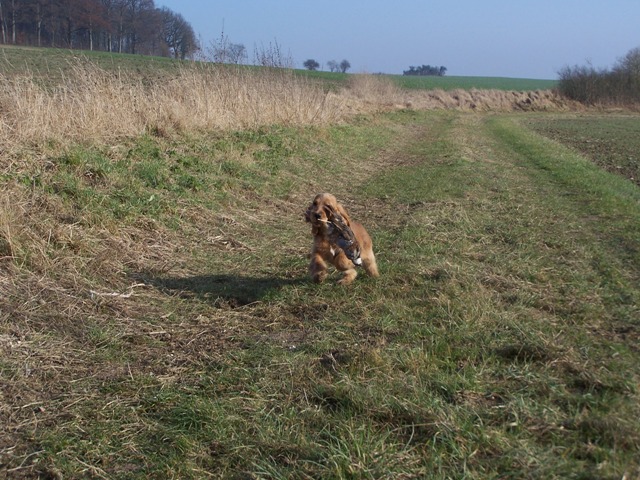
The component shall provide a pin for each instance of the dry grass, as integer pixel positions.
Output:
(376, 91)
(8, 226)
(490, 101)
(92, 104)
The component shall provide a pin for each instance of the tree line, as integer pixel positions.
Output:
(618, 86)
(426, 70)
(332, 65)
(123, 26)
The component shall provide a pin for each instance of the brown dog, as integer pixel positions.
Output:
(337, 240)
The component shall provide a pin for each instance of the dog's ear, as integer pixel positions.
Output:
(307, 218)
(343, 213)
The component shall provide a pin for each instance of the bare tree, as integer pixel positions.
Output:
(133, 26)
(92, 18)
(139, 20)
(237, 53)
(66, 19)
(223, 51)
(630, 63)
(108, 7)
(11, 15)
(332, 65)
(272, 56)
(118, 23)
(177, 34)
(37, 13)
(8, 19)
(618, 86)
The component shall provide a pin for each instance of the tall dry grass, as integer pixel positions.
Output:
(375, 90)
(92, 104)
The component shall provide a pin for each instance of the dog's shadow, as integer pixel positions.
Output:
(223, 290)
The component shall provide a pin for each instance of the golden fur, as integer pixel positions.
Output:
(324, 252)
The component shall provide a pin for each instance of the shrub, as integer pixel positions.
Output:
(619, 86)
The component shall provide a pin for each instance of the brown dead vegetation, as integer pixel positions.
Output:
(491, 100)
(93, 104)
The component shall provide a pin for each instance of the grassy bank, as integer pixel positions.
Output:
(157, 319)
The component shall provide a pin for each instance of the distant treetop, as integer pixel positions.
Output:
(426, 70)
(311, 64)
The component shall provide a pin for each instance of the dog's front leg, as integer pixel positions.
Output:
(318, 268)
(345, 265)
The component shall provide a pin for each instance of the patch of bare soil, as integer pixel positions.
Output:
(611, 148)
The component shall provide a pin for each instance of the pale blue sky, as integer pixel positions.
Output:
(508, 38)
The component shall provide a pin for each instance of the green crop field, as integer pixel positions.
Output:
(52, 66)
(447, 82)
(157, 319)
(53, 63)
(466, 83)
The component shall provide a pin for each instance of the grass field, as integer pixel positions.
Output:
(466, 83)
(53, 97)
(157, 319)
(446, 83)
(53, 65)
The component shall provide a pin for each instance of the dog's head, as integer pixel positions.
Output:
(324, 205)
(320, 209)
